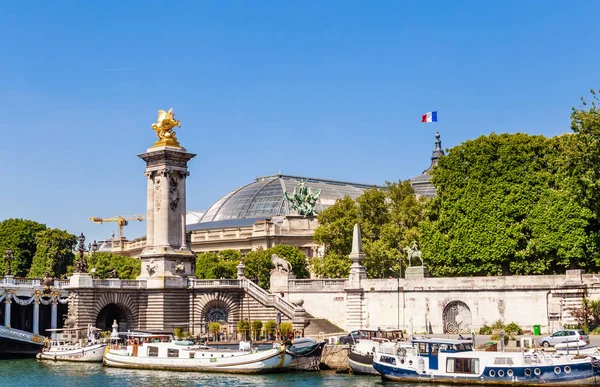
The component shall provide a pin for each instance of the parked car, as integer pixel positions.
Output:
(350, 338)
(564, 336)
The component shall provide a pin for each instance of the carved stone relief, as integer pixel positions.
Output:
(173, 193)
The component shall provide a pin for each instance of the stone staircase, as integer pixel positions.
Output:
(316, 326)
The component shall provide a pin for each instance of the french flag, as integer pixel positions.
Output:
(429, 117)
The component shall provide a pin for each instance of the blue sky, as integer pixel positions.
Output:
(331, 89)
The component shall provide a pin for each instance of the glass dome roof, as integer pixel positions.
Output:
(264, 198)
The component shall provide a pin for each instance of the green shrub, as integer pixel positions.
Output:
(256, 328)
(215, 327)
(286, 328)
(498, 324)
(513, 329)
(485, 330)
(243, 327)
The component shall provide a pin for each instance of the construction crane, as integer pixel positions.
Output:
(120, 220)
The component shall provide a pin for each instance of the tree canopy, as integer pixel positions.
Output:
(19, 235)
(104, 263)
(389, 221)
(54, 253)
(507, 204)
(258, 265)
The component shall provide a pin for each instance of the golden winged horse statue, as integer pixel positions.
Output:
(164, 129)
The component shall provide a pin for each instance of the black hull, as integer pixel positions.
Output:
(10, 349)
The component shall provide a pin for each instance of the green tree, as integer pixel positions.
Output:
(54, 253)
(389, 220)
(243, 327)
(211, 265)
(294, 256)
(104, 263)
(286, 328)
(215, 328)
(504, 206)
(19, 236)
(270, 327)
(258, 267)
(256, 328)
(335, 232)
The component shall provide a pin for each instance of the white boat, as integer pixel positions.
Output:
(159, 352)
(360, 354)
(454, 361)
(571, 345)
(73, 344)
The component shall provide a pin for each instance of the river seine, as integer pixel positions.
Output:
(29, 372)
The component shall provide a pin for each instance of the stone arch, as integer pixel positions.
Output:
(457, 318)
(208, 303)
(119, 306)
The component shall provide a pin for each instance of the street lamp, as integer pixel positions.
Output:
(8, 257)
(81, 263)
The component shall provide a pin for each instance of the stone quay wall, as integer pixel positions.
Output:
(447, 305)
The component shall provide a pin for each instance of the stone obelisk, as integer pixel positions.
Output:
(167, 260)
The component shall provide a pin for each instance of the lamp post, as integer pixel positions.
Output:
(8, 257)
(81, 263)
(398, 291)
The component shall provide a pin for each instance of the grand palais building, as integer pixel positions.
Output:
(257, 215)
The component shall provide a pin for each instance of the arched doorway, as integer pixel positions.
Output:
(111, 312)
(216, 314)
(457, 318)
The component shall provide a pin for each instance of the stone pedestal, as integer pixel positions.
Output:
(280, 281)
(167, 255)
(81, 280)
(416, 272)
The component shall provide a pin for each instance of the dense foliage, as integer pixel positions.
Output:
(257, 264)
(54, 253)
(213, 265)
(104, 263)
(19, 235)
(508, 204)
(389, 221)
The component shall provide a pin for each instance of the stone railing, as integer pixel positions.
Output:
(20, 282)
(61, 283)
(318, 285)
(133, 284)
(195, 283)
(267, 298)
(117, 283)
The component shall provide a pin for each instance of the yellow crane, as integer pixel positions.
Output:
(120, 220)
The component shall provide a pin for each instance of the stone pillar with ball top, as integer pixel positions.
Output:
(167, 260)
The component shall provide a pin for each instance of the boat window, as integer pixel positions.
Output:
(462, 366)
(152, 351)
(423, 348)
(434, 349)
(192, 355)
(444, 347)
(172, 352)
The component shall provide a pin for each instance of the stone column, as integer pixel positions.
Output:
(53, 316)
(36, 315)
(167, 259)
(149, 204)
(355, 305)
(7, 312)
(183, 204)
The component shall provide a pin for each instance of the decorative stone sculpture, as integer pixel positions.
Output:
(413, 252)
(164, 129)
(304, 201)
(281, 265)
(70, 321)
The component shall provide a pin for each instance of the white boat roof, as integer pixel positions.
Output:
(72, 329)
(441, 341)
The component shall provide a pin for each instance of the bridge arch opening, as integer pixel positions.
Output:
(111, 312)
